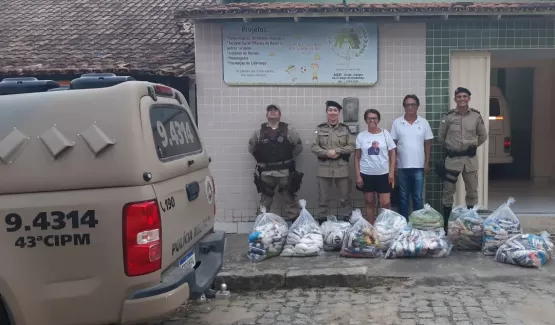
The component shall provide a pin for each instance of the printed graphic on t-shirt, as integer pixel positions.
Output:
(374, 150)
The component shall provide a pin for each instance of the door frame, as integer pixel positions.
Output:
(471, 69)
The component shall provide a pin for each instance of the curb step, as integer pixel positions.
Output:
(293, 279)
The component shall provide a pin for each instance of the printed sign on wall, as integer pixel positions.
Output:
(303, 53)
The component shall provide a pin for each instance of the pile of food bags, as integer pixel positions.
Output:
(466, 228)
(334, 232)
(427, 219)
(501, 225)
(419, 243)
(388, 226)
(305, 236)
(267, 237)
(526, 250)
(361, 240)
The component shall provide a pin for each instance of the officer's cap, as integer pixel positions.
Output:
(462, 90)
(331, 103)
(273, 106)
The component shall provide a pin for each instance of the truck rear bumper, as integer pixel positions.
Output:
(178, 284)
(151, 308)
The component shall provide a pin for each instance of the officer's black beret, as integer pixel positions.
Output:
(462, 90)
(331, 103)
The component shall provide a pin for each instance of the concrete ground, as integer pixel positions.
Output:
(329, 269)
(466, 288)
(532, 197)
(514, 302)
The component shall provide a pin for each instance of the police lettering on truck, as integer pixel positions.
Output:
(189, 235)
(53, 220)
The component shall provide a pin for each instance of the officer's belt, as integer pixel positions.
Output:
(453, 154)
(266, 167)
(326, 158)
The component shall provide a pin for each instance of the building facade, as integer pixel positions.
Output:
(424, 51)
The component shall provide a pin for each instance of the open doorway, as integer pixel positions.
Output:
(521, 84)
(511, 109)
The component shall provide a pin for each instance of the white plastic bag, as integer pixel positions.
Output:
(427, 219)
(501, 225)
(419, 243)
(305, 236)
(526, 250)
(388, 225)
(457, 211)
(361, 240)
(267, 237)
(334, 232)
(466, 228)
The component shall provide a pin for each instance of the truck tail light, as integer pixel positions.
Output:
(142, 238)
(507, 144)
(163, 90)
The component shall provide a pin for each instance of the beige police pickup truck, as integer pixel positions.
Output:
(106, 202)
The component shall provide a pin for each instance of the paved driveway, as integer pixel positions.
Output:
(529, 302)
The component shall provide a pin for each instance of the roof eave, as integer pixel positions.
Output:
(26, 71)
(184, 14)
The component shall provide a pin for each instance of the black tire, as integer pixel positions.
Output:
(4, 319)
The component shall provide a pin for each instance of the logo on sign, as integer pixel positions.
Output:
(209, 188)
(349, 42)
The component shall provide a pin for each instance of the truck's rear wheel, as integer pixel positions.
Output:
(4, 319)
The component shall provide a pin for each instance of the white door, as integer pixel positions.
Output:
(472, 70)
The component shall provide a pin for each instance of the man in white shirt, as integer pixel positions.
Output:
(413, 136)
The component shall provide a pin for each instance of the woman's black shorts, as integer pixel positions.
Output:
(375, 183)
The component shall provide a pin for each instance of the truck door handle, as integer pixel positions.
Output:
(192, 191)
(190, 162)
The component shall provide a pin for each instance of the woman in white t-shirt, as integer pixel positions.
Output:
(375, 163)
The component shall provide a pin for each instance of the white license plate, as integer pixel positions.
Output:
(188, 261)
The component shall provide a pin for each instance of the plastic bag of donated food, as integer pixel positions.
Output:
(304, 237)
(388, 225)
(466, 228)
(333, 232)
(526, 250)
(419, 243)
(501, 225)
(267, 237)
(361, 240)
(427, 219)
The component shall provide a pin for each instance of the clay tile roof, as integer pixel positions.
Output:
(79, 36)
(408, 8)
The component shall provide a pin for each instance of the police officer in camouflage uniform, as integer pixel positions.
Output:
(274, 146)
(333, 146)
(461, 131)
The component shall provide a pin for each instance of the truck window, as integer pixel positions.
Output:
(494, 107)
(173, 132)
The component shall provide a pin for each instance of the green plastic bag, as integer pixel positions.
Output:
(426, 219)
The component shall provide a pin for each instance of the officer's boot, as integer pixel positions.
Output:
(446, 214)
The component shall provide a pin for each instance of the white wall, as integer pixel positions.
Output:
(228, 115)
